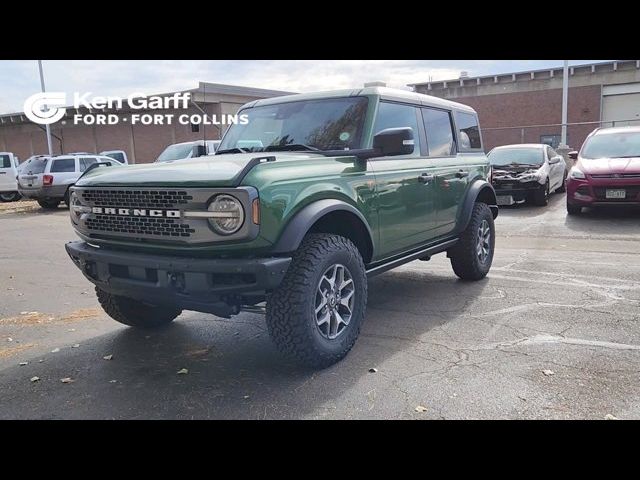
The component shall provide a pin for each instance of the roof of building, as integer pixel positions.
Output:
(384, 92)
(527, 75)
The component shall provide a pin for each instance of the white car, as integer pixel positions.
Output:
(8, 172)
(47, 179)
(527, 172)
(184, 150)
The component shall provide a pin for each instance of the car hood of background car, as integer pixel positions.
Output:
(609, 165)
(210, 171)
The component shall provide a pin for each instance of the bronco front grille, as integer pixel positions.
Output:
(135, 198)
(164, 227)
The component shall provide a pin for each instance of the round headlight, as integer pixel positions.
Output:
(228, 214)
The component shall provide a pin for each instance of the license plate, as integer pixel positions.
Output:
(616, 193)
(505, 200)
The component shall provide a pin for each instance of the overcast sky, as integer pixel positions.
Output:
(19, 79)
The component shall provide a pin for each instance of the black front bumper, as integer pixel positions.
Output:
(201, 284)
(519, 191)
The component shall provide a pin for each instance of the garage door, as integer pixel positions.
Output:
(621, 103)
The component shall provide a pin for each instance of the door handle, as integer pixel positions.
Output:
(425, 178)
(462, 174)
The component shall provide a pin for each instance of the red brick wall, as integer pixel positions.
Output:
(535, 108)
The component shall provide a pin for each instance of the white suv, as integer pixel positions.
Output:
(8, 173)
(48, 179)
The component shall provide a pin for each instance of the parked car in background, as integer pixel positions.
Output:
(47, 179)
(9, 164)
(526, 172)
(184, 150)
(607, 170)
(119, 155)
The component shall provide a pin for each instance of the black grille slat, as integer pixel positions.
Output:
(139, 225)
(135, 198)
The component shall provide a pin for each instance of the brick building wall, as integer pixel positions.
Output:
(535, 108)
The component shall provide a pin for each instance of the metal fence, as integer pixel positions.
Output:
(547, 133)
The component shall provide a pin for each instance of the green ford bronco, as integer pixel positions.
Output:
(297, 208)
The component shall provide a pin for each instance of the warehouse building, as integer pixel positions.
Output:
(526, 107)
(142, 143)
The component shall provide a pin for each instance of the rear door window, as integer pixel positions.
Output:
(437, 124)
(63, 165)
(468, 131)
(86, 162)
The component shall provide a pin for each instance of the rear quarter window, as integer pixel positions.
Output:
(5, 161)
(63, 165)
(468, 131)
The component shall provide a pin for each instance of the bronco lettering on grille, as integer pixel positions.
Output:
(136, 212)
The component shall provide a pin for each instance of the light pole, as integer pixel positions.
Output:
(565, 98)
(47, 125)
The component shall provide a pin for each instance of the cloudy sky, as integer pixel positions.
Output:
(19, 79)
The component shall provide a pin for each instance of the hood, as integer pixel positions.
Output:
(601, 166)
(209, 171)
(514, 172)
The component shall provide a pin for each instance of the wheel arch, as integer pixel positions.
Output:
(480, 191)
(328, 216)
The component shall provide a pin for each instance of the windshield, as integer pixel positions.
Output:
(516, 156)
(326, 124)
(175, 152)
(609, 145)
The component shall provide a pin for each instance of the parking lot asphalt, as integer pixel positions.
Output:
(552, 333)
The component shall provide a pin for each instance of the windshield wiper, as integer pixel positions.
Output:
(291, 147)
(231, 150)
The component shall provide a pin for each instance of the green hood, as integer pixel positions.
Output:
(209, 171)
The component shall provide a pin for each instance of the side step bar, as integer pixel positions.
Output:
(425, 252)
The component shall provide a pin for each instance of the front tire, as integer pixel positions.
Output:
(573, 209)
(541, 195)
(49, 204)
(134, 313)
(472, 256)
(10, 196)
(314, 316)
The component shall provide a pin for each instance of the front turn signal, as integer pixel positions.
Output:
(255, 211)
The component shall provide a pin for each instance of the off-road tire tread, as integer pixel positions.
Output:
(287, 305)
(463, 255)
(134, 313)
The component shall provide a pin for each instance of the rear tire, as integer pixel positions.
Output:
(10, 196)
(563, 187)
(472, 256)
(306, 314)
(49, 204)
(134, 313)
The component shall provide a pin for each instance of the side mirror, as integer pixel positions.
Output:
(573, 155)
(394, 141)
(554, 160)
(199, 151)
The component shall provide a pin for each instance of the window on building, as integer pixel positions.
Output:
(195, 127)
(395, 115)
(437, 124)
(63, 165)
(468, 131)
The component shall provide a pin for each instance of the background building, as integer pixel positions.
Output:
(526, 107)
(142, 143)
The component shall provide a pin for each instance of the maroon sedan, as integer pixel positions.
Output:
(607, 170)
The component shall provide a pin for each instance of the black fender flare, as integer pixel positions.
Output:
(299, 225)
(478, 188)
